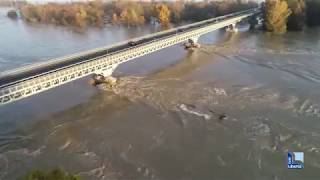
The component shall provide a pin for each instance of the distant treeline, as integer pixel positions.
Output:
(5, 3)
(15, 3)
(68, 14)
(292, 15)
(128, 13)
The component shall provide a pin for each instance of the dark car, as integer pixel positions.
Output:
(132, 43)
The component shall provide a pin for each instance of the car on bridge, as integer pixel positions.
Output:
(132, 43)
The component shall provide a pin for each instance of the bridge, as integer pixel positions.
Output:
(30, 80)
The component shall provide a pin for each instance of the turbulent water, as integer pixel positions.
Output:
(231, 109)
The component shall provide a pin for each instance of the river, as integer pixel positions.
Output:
(230, 109)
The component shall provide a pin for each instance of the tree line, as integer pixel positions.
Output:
(128, 13)
(292, 15)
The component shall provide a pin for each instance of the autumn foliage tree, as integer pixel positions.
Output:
(131, 17)
(163, 13)
(127, 12)
(65, 14)
(276, 16)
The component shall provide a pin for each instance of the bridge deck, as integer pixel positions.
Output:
(15, 76)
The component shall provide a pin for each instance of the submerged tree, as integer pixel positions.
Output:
(176, 9)
(163, 13)
(313, 12)
(296, 20)
(276, 17)
(77, 14)
(132, 16)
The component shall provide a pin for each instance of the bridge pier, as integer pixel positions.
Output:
(104, 77)
(232, 28)
(192, 43)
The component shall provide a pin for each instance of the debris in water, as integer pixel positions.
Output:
(222, 117)
(283, 138)
(314, 149)
(220, 91)
(185, 108)
(65, 145)
(222, 162)
(146, 172)
(259, 162)
(303, 106)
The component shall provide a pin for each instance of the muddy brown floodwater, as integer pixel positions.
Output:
(231, 109)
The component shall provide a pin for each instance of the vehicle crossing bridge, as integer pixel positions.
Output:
(30, 80)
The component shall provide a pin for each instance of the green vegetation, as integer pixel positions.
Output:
(128, 13)
(56, 174)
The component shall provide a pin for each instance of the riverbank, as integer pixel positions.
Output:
(96, 13)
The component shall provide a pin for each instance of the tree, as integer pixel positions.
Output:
(176, 9)
(163, 13)
(131, 17)
(276, 16)
(312, 12)
(297, 18)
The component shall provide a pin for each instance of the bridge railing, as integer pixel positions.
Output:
(15, 87)
(105, 48)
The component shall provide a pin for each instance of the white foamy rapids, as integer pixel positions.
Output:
(307, 108)
(67, 143)
(259, 94)
(273, 98)
(26, 152)
(103, 172)
(258, 129)
(165, 94)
